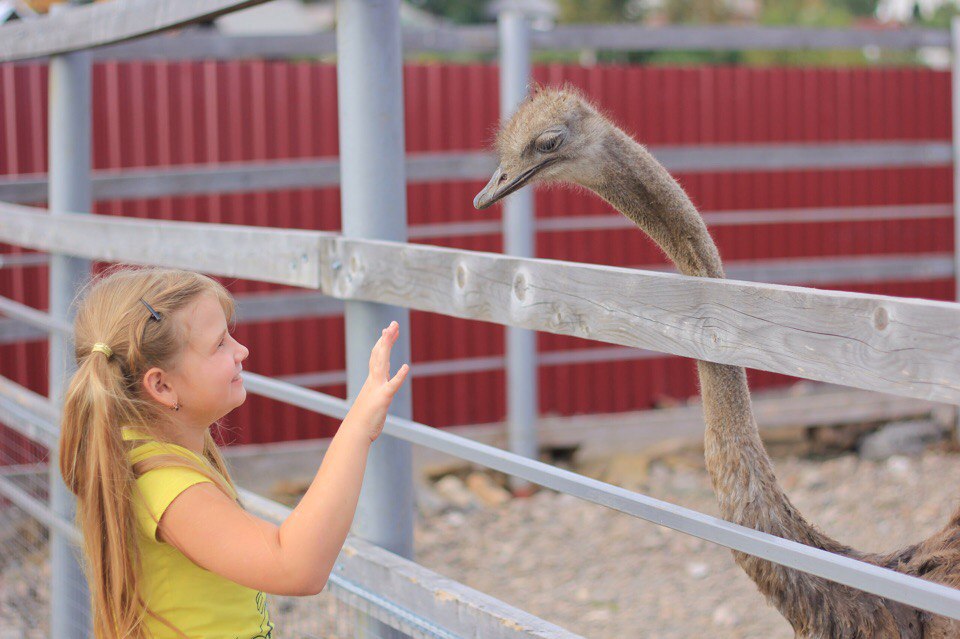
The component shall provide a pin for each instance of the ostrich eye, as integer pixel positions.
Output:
(549, 141)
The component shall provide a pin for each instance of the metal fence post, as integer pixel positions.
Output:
(519, 239)
(69, 173)
(955, 135)
(373, 192)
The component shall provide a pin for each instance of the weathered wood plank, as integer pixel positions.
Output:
(210, 44)
(750, 217)
(197, 45)
(25, 322)
(781, 157)
(92, 25)
(731, 38)
(282, 256)
(902, 346)
(205, 45)
(238, 177)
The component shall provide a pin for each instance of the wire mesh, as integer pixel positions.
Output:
(24, 541)
(321, 617)
(25, 573)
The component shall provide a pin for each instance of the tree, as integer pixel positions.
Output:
(460, 11)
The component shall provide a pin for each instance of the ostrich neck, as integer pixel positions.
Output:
(640, 188)
(740, 469)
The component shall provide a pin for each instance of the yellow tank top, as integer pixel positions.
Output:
(201, 604)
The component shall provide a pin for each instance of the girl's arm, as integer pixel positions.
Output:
(295, 558)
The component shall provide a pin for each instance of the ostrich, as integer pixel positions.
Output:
(556, 135)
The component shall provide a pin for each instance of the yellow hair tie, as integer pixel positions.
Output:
(100, 347)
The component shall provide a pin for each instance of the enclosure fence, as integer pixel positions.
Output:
(905, 347)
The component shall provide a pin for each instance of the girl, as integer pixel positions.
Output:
(169, 552)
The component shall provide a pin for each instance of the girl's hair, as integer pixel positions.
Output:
(105, 395)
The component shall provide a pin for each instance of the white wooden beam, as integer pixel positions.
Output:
(907, 347)
(93, 25)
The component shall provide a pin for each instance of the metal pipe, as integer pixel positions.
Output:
(373, 192)
(955, 108)
(69, 158)
(906, 589)
(519, 239)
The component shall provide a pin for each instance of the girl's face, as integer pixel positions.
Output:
(207, 376)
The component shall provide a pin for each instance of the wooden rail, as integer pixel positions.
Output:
(197, 45)
(94, 25)
(236, 177)
(906, 347)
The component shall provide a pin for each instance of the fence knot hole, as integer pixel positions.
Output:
(881, 318)
(520, 286)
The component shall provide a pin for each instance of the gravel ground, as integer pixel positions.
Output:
(603, 574)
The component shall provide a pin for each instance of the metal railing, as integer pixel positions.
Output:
(893, 345)
(844, 324)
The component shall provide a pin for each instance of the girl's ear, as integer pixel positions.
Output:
(156, 384)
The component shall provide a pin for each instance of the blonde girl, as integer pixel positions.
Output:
(168, 550)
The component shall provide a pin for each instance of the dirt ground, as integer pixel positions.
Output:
(603, 574)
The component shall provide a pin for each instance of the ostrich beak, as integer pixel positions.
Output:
(500, 185)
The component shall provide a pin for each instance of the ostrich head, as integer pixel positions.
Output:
(555, 135)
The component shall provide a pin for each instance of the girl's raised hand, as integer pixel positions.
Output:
(378, 390)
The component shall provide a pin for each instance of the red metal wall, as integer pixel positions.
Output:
(160, 114)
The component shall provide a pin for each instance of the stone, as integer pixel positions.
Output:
(698, 570)
(429, 503)
(486, 490)
(898, 465)
(725, 616)
(901, 438)
(454, 491)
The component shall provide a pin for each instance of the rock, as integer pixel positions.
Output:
(429, 503)
(487, 491)
(725, 616)
(898, 465)
(599, 614)
(902, 438)
(455, 492)
(698, 570)
(454, 519)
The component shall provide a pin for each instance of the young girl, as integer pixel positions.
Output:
(169, 552)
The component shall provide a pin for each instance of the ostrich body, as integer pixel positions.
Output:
(556, 135)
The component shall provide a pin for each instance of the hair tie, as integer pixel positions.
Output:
(100, 347)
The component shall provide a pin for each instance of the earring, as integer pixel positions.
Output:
(176, 406)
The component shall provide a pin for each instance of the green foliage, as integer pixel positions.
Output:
(787, 13)
(592, 10)
(698, 11)
(941, 17)
(459, 11)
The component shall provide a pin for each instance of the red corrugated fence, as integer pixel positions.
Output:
(164, 114)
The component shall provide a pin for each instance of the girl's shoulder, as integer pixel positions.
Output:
(160, 481)
(143, 446)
